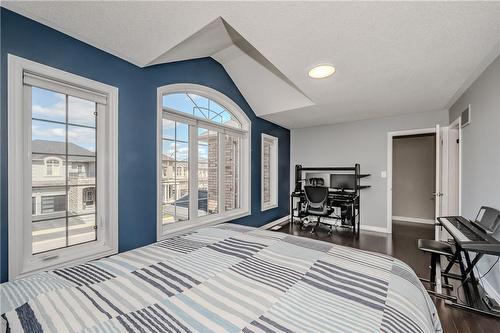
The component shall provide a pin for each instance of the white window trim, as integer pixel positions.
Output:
(245, 197)
(21, 260)
(273, 203)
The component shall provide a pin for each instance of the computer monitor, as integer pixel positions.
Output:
(343, 181)
(488, 218)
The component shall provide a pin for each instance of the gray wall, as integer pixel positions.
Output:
(481, 151)
(363, 142)
(414, 176)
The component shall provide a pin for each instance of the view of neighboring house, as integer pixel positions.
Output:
(54, 195)
(175, 183)
(175, 189)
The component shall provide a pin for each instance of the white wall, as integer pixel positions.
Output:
(363, 142)
(481, 151)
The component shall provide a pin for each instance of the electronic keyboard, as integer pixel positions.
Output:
(469, 235)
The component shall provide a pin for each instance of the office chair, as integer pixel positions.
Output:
(317, 204)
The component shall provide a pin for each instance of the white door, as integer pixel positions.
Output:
(438, 193)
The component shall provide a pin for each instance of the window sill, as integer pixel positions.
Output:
(268, 206)
(76, 255)
(181, 227)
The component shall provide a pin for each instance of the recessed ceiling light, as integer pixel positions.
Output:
(321, 71)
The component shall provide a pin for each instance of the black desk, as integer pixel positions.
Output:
(335, 199)
(351, 196)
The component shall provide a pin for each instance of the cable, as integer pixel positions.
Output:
(489, 268)
(480, 277)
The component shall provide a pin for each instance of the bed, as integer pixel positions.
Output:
(227, 278)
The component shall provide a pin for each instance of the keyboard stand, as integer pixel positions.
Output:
(474, 300)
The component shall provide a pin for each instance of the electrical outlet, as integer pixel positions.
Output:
(383, 174)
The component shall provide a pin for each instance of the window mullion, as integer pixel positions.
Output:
(193, 172)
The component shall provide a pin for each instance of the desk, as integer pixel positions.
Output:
(335, 199)
(349, 194)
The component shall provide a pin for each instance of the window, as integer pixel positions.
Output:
(175, 155)
(203, 139)
(67, 125)
(231, 172)
(52, 167)
(53, 203)
(199, 106)
(88, 196)
(269, 172)
(208, 185)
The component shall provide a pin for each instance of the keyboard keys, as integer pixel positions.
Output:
(460, 231)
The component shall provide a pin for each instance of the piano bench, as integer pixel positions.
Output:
(436, 249)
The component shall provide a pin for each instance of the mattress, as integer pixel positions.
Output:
(227, 278)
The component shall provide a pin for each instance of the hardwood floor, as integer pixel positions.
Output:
(402, 244)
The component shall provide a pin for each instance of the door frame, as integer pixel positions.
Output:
(390, 137)
(457, 123)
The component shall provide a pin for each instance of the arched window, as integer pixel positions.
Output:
(199, 107)
(204, 136)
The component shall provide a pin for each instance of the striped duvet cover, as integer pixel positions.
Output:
(226, 278)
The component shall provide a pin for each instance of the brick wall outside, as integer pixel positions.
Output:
(231, 172)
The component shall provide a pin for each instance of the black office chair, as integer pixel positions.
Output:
(317, 204)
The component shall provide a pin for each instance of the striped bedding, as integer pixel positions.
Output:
(227, 278)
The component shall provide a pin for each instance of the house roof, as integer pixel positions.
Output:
(47, 147)
(167, 157)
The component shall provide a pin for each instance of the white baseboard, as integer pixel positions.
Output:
(372, 228)
(276, 222)
(412, 219)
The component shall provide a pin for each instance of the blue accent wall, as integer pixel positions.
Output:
(137, 123)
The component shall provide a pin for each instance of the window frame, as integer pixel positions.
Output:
(245, 156)
(21, 261)
(274, 176)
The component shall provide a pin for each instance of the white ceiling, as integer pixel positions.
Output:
(391, 58)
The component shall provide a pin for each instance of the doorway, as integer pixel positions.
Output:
(435, 196)
(414, 178)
